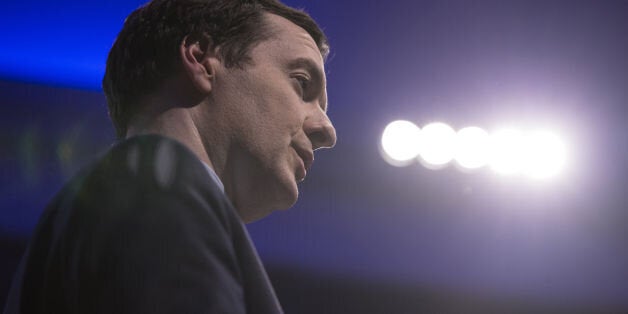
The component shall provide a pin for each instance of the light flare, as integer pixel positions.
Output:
(399, 142)
(437, 144)
(538, 154)
(472, 147)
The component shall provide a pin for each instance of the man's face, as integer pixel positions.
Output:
(275, 110)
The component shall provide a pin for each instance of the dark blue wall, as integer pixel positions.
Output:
(366, 237)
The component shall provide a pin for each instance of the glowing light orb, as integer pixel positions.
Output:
(437, 144)
(399, 141)
(539, 154)
(545, 155)
(507, 152)
(472, 147)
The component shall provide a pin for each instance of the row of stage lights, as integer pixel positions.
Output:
(537, 154)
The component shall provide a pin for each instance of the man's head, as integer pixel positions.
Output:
(146, 51)
(249, 97)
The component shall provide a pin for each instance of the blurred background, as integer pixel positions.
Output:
(367, 236)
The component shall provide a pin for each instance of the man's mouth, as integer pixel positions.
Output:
(307, 159)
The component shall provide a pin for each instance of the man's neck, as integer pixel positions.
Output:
(175, 123)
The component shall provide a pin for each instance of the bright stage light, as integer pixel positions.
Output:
(472, 147)
(544, 156)
(437, 144)
(400, 141)
(536, 154)
(507, 152)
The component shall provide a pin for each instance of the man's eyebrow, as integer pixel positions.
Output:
(303, 63)
(315, 71)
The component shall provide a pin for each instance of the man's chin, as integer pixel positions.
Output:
(285, 194)
(284, 198)
(252, 217)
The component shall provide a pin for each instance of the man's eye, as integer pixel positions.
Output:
(303, 82)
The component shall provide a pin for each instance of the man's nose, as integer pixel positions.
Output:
(321, 132)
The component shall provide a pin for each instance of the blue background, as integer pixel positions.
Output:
(367, 237)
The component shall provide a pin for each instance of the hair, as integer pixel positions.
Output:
(146, 50)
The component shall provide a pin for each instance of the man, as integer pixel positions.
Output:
(221, 104)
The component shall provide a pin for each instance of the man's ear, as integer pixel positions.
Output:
(196, 54)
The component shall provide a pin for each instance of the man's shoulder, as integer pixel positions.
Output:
(145, 207)
(152, 160)
(142, 174)
(150, 157)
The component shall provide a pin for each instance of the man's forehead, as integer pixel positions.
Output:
(292, 37)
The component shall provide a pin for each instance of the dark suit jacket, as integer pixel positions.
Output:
(142, 230)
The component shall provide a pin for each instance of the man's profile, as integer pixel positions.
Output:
(219, 106)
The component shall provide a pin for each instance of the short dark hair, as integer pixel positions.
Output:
(146, 49)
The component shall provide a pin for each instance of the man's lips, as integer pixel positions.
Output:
(306, 155)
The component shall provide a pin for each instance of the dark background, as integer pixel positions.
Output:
(367, 237)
